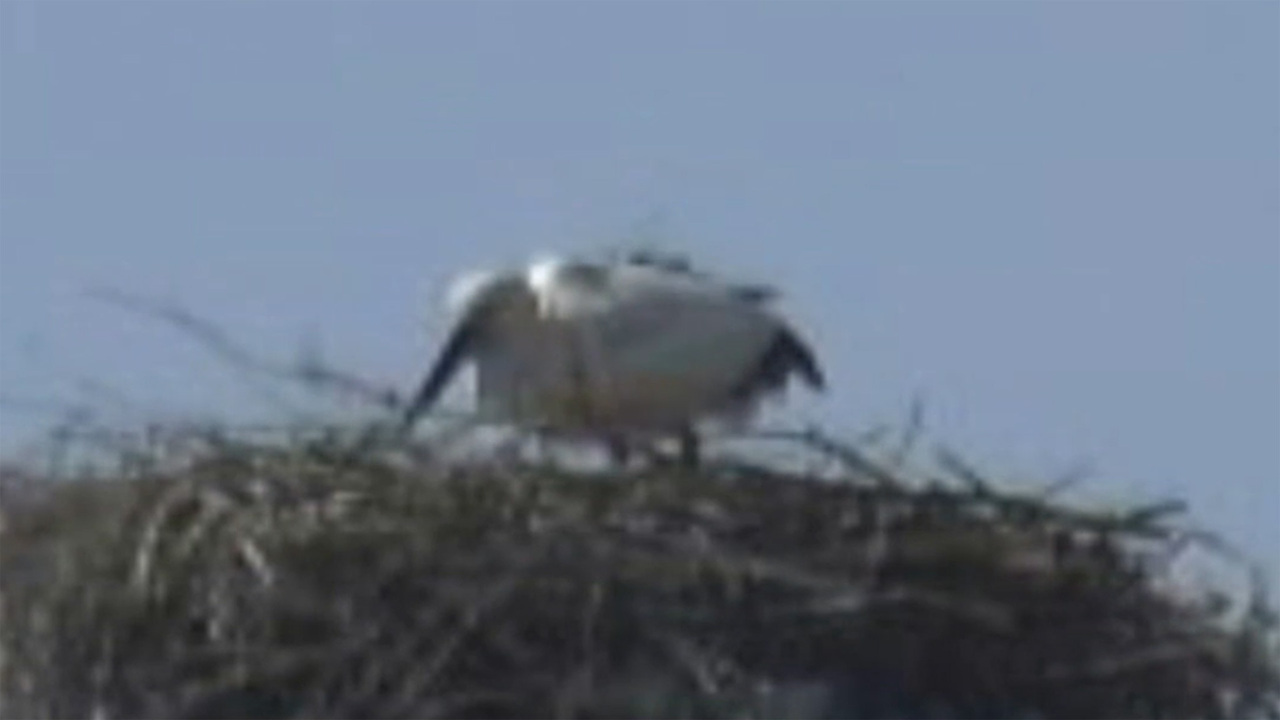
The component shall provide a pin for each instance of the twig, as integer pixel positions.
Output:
(407, 694)
(1146, 517)
(853, 460)
(696, 661)
(1069, 480)
(915, 425)
(1114, 665)
(952, 463)
(309, 372)
(256, 560)
(211, 337)
(583, 679)
(144, 559)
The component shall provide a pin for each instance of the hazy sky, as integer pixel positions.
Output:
(1059, 221)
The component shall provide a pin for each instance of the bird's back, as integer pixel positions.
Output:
(671, 348)
(656, 347)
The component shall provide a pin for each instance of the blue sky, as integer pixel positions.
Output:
(1059, 222)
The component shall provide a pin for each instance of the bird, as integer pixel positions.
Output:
(638, 347)
(518, 358)
(669, 343)
(681, 264)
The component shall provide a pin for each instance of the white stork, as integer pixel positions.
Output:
(639, 348)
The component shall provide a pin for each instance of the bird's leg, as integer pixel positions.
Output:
(690, 448)
(537, 443)
(531, 444)
(619, 451)
(508, 451)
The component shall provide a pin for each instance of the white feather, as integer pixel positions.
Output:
(624, 348)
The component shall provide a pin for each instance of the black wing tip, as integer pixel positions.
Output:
(799, 357)
(816, 379)
(787, 355)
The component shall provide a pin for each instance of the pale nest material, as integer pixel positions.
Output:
(288, 579)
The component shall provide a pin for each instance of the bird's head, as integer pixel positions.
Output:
(553, 278)
(470, 288)
(483, 292)
(544, 272)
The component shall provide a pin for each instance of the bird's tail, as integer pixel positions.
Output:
(794, 354)
(788, 354)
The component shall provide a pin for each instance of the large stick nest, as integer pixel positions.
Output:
(282, 579)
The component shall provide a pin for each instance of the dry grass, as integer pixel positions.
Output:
(211, 577)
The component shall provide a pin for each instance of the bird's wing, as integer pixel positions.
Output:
(787, 353)
(649, 322)
(649, 280)
(707, 339)
(754, 293)
(680, 266)
(717, 330)
(459, 346)
(652, 258)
